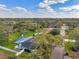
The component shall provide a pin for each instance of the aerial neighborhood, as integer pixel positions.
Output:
(39, 39)
(39, 29)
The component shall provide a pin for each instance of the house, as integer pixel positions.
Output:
(25, 43)
(3, 56)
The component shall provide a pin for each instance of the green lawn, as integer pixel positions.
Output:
(15, 36)
(29, 33)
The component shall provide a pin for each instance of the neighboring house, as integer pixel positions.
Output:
(25, 43)
(62, 30)
(3, 56)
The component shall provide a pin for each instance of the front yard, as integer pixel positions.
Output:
(11, 43)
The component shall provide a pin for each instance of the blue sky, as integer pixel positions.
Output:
(39, 8)
(28, 4)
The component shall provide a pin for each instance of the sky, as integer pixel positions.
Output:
(39, 8)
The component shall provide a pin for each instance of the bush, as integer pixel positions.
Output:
(55, 32)
(68, 47)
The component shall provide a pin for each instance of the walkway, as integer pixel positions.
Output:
(4, 48)
(10, 50)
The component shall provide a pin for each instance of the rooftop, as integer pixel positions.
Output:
(24, 39)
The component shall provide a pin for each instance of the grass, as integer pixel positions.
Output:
(14, 36)
(28, 33)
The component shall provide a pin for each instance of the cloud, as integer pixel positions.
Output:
(17, 12)
(43, 14)
(21, 9)
(20, 12)
(70, 8)
(2, 6)
(71, 15)
(46, 4)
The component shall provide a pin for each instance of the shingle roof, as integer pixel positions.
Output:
(28, 46)
(24, 39)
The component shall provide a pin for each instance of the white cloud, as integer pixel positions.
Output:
(44, 14)
(17, 12)
(20, 12)
(2, 6)
(21, 9)
(46, 4)
(70, 8)
(60, 1)
(71, 15)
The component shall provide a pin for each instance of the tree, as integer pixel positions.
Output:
(58, 40)
(44, 44)
(24, 26)
(1, 26)
(2, 38)
(59, 23)
(43, 23)
(55, 32)
(74, 34)
(68, 47)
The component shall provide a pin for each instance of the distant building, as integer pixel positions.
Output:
(62, 30)
(3, 56)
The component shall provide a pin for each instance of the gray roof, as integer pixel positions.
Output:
(28, 46)
(24, 39)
